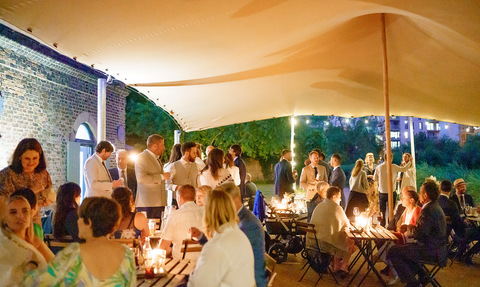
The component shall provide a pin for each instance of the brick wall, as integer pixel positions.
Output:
(43, 97)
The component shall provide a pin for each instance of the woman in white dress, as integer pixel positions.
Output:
(213, 173)
(230, 166)
(410, 176)
(227, 257)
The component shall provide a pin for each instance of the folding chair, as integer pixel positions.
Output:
(436, 264)
(270, 268)
(316, 259)
(56, 245)
(189, 245)
(431, 272)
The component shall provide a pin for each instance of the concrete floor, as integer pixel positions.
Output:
(288, 274)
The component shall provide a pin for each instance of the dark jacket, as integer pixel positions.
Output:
(243, 173)
(131, 178)
(430, 232)
(451, 210)
(468, 200)
(283, 178)
(338, 178)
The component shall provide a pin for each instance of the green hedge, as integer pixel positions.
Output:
(451, 172)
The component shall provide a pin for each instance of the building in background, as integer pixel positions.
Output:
(53, 98)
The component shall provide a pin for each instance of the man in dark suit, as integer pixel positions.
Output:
(236, 151)
(461, 198)
(338, 176)
(430, 233)
(450, 209)
(124, 171)
(283, 175)
(323, 163)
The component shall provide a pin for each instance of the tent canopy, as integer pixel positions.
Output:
(212, 63)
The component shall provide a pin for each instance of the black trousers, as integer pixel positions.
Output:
(406, 261)
(383, 201)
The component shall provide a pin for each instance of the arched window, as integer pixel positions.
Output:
(85, 138)
(84, 134)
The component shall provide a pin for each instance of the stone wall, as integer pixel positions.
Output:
(43, 95)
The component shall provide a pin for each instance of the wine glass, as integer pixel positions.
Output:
(356, 211)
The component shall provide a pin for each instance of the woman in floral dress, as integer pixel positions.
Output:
(97, 262)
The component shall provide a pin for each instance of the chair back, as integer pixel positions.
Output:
(270, 264)
(189, 245)
(57, 244)
(318, 260)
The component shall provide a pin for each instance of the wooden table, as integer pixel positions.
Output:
(176, 270)
(366, 241)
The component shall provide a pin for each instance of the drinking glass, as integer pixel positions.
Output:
(149, 269)
(356, 211)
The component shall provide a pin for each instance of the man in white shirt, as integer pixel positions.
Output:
(380, 176)
(183, 171)
(151, 194)
(97, 178)
(180, 221)
(124, 172)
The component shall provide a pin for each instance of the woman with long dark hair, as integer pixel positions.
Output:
(175, 154)
(131, 224)
(213, 174)
(28, 169)
(65, 216)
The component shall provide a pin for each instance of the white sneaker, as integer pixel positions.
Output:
(393, 281)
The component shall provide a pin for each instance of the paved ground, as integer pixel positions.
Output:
(288, 274)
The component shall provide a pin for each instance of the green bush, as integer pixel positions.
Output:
(451, 172)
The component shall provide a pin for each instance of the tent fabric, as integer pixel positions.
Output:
(212, 63)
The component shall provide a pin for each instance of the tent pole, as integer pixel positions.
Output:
(388, 160)
(412, 146)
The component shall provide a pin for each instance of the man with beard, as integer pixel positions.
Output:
(184, 171)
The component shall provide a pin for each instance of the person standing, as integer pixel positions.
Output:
(98, 180)
(311, 175)
(380, 176)
(322, 162)
(338, 177)
(358, 190)
(183, 171)
(284, 175)
(236, 151)
(151, 194)
(409, 177)
(28, 169)
(124, 171)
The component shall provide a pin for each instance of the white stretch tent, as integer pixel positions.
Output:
(212, 63)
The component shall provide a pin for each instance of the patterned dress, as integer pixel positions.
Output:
(11, 181)
(67, 269)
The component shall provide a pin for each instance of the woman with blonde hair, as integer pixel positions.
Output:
(98, 261)
(227, 257)
(20, 249)
(358, 189)
(409, 177)
(213, 174)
